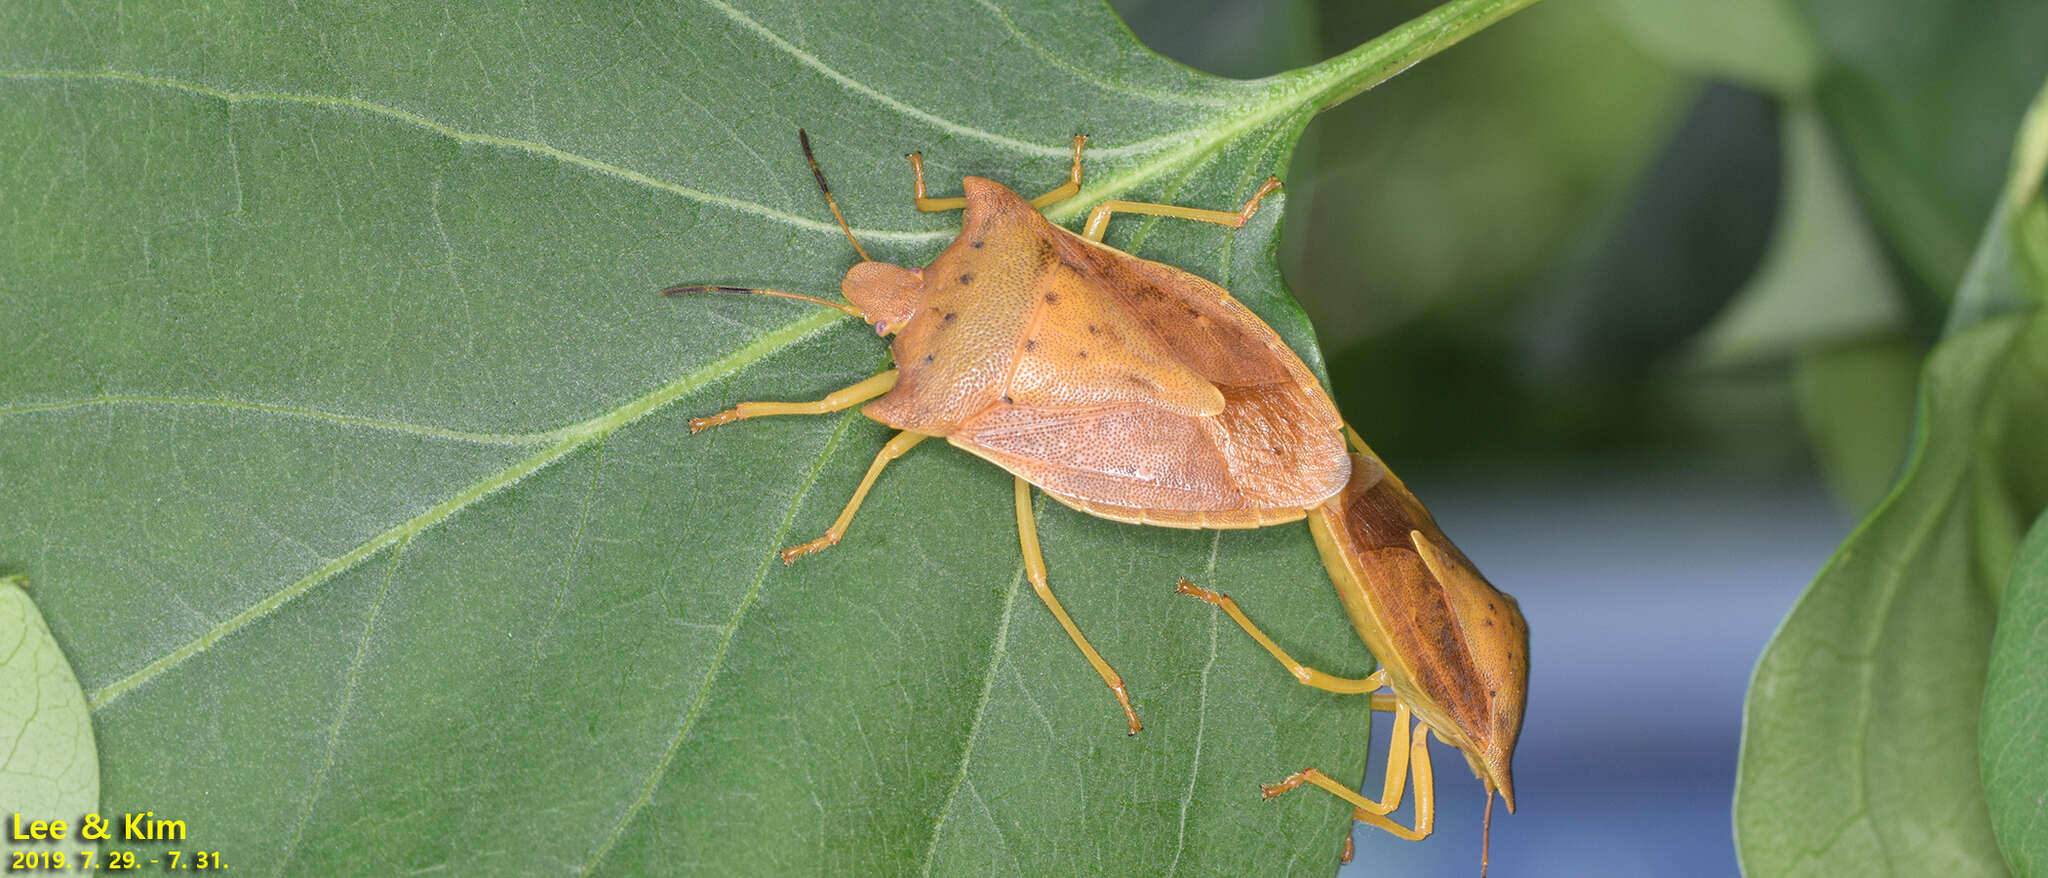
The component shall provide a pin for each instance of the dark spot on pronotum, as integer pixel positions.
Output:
(1093, 329)
(1194, 313)
(1030, 343)
(1489, 605)
(927, 358)
(950, 315)
(1488, 622)
(975, 244)
(1052, 298)
(1491, 693)
(1084, 355)
(967, 277)
(1276, 450)
(1007, 399)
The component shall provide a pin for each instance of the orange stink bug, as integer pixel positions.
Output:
(1137, 392)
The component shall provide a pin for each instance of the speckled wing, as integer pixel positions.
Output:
(1106, 428)
(1257, 462)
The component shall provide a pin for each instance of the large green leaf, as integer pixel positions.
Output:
(48, 767)
(343, 434)
(1860, 748)
(2016, 710)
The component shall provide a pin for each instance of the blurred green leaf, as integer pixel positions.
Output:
(1920, 96)
(1760, 43)
(345, 437)
(1923, 96)
(1824, 300)
(1856, 402)
(1823, 281)
(2016, 711)
(48, 767)
(1453, 197)
(1859, 747)
(1696, 226)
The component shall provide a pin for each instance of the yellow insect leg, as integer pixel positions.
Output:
(1034, 567)
(1302, 673)
(1068, 189)
(917, 196)
(894, 449)
(843, 398)
(1052, 196)
(1098, 219)
(1405, 756)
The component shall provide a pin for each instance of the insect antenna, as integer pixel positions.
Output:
(1486, 833)
(804, 139)
(691, 290)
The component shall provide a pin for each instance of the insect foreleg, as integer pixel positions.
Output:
(890, 451)
(917, 196)
(1098, 219)
(1052, 196)
(1068, 189)
(843, 398)
(1303, 674)
(1034, 567)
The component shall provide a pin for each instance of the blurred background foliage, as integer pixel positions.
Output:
(1641, 227)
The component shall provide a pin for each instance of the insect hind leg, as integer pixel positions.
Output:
(1406, 755)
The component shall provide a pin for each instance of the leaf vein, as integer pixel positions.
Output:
(348, 692)
(732, 626)
(998, 649)
(574, 437)
(475, 137)
(885, 99)
(1201, 715)
(343, 418)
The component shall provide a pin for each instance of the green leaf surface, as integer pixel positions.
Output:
(2016, 710)
(49, 769)
(345, 439)
(1860, 742)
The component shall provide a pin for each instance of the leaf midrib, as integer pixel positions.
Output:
(573, 437)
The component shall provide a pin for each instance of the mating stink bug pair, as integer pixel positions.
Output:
(1137, 392)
